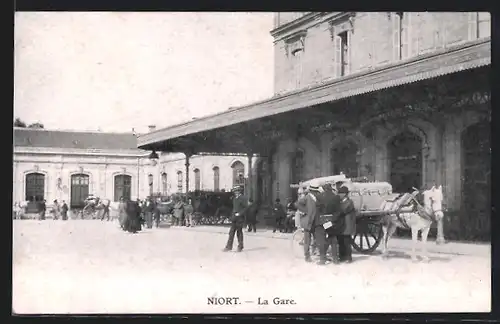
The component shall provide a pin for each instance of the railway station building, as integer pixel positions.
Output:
(402, 97)
(70, 165)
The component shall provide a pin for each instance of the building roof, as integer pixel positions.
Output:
(30, 137)
(447, 61)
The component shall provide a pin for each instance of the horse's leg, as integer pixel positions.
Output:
(385, 230)
(414, 242)
(391, 229)
(425, 232)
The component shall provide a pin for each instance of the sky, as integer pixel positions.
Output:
(114, 71)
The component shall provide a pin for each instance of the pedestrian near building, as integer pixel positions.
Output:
(251, 216)
(331, 204)
(42, 209)
(237, 220)
(55, 210)
(64, 211)
(178, 212)
(348, 214)
(279, 216)
(188, 212)
(311, 224)
(148, 211)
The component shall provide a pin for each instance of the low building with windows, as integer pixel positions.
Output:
(70, 165)
(402, 97)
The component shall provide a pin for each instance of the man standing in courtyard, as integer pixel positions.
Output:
(347, 214)
(238, 220)
(64, 211)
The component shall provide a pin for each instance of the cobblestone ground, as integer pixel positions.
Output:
(94, 267)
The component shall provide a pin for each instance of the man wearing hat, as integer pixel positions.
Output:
(238, 219)
(311, 223)
(347, 215)
(331, 203)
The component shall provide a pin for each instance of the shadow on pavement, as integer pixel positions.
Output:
(403, 255)
(255, 249)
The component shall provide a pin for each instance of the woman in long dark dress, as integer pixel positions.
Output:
(133, 221)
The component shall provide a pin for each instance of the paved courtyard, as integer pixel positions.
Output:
(85, 266)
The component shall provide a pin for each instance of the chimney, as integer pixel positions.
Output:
(152, 128)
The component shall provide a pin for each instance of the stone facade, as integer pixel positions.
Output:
(96, 159)
(373, 38)
(373, 42)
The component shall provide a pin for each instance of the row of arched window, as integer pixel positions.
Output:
(238, 179)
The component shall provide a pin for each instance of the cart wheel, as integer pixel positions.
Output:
(298, 243)
(368, 238)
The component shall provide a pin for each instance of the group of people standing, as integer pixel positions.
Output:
(58, 210)
(183, 212)
(328, 215)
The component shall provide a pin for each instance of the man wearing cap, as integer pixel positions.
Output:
(331, 203)
(238, 220)
(347, 215)
(311, 223)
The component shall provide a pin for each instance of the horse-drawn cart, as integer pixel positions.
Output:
(371, 202)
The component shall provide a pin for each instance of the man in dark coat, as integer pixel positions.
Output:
(251, 216)
(148, 212)
(331, 204)
(42, 208)
(279, 216)
(64, 211)
(311, 223)
(178, 212)
(347, 213)
(238, 220)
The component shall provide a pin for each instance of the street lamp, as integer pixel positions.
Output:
(153, 157)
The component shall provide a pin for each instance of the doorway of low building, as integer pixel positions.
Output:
(123, 187)
(79, 190)
(35, 187)
(405, 159)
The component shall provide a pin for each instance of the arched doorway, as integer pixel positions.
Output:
(238, 174)
(405, 162)
(123, 186)
(345, 159)
(197, 180)
(296, 172)
(261, 183)
(79, 190)
(216, 178)
(35, 187)
(476, 186)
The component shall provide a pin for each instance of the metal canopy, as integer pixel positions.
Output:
(254, 128)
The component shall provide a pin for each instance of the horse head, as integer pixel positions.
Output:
(433, 201)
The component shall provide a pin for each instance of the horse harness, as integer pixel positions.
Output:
(416, 208)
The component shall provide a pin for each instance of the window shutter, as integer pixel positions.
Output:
(348, 58)
(472, 25)
(405, 36)
(337, 55)
(396, 37)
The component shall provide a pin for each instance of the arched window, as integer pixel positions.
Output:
(179, 181)
(197, 179)
(216, 178)
(150, 183)
(297, 167)
(79, 190)
(344, 159)
(164, 184)
(123, 187)
(35, 187)
(238, 174)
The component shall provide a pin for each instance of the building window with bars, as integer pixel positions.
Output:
(164, 184)
(238, 174)
(179, 181)
(342, 61)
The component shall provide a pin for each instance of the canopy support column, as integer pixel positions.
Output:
(188, 155)
(250, 180)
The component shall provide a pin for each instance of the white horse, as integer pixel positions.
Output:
(113, 207)
(415, 217)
